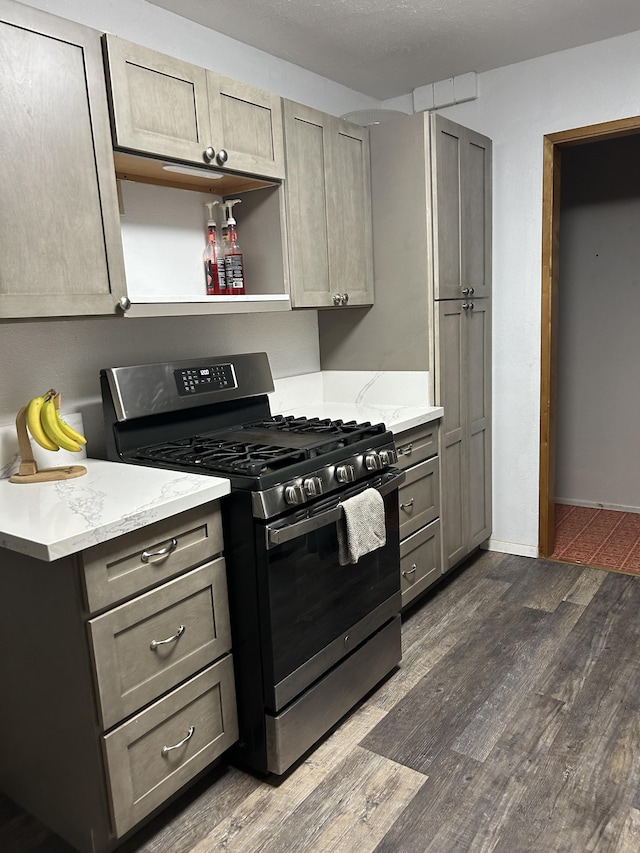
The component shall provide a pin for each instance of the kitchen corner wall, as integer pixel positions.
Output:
(517, 106)
(68, 354)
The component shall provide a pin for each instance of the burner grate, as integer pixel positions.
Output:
(224, 456)
(350, 431)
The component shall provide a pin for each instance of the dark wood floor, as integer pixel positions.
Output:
(513, 725)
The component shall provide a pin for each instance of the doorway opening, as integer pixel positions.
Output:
(554, 144)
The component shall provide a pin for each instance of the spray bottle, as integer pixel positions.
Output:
(233, 263)
(213, 256)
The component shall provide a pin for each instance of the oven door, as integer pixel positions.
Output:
(315, 612)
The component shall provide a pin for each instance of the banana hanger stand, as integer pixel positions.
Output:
(28, 471)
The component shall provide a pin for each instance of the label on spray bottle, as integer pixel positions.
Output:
(233, 264)
(234, 272)
(222, 279)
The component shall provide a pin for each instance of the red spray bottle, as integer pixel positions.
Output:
(233, 262)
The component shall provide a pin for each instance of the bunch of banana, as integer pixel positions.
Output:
(47, 427)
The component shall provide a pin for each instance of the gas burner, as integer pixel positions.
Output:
(220, 455)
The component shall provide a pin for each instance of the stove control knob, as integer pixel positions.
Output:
(388, 457)
(345, 473)
(372, 461)
(313, 486)
(295, 494)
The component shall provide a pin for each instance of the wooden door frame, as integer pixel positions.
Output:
(553, 145)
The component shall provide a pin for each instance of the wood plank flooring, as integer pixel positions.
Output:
(513, 725)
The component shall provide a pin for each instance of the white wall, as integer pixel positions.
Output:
(517, 106)
(598, 408)
(68, 354)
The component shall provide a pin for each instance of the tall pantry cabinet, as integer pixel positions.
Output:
(431, 190)
(461, 222)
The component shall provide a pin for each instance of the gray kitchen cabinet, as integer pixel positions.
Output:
(165, 107)
(328, 191)
(461, 210)
(168, 115)
(59, 228)
(419, 510)
(431, 190)
(463, 388)
(117, 675)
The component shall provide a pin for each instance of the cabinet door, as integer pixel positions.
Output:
(159, 103)
(307, 134)
(451, 380)
(59, 228)
(478, 418)
(329, 209)
(247, 124)
(461, 180)
(463, 346)
(350, 228)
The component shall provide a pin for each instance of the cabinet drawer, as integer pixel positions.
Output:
(420, 562)
(198, 720)
(417, 444)
(419, 497)
(153, 642)
(136, 561)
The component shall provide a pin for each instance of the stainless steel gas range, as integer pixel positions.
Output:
(311, 637)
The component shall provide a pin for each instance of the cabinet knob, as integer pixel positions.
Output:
(221, 157)
(468, 291)
(125, 303)
(467, 306)
(337, 299)
(209, 154)
(345, 298)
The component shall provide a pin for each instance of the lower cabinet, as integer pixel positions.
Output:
(119, 688)
(419, 504)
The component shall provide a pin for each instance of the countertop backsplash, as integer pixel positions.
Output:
(400, 399)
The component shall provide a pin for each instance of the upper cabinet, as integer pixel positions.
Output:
(461, 193)
(328, 191)
(165, 107)
(60, 247)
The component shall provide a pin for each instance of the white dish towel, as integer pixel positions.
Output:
(361, 529)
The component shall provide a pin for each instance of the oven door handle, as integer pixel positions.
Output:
(279, 535)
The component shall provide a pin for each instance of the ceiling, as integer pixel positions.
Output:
(385, 48)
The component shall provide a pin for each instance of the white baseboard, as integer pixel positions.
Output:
(596, 505)
(516, 548)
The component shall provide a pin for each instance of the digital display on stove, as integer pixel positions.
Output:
(204, 380)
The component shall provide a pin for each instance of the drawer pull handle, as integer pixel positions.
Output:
(406, 450)
(408, 506)
(167, 749)
(410, 571)
(161, 552)
(155, 643)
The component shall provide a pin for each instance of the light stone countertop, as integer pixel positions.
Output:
(398, 399)
(53, 520)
